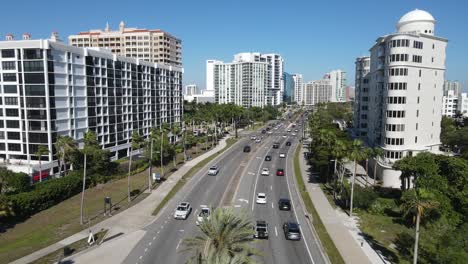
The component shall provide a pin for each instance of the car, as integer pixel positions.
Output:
(275, 145)
(284, 204)
(253, 137)
(296, 130)
(258, 140)
(205, 213)
(268, 129)
(263, 131)
(261, 230)
(247, 149)
(213, 170)
(293, 134)
(183, 210)
(261, 198)
(267, 158)
(288, 143)
(280, 172)
(292, 231)
(289, 130)
(285, 136)
(265, 172)
(269, 132)
(282, 155)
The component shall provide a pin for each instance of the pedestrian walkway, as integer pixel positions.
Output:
(344, 233)
(127, 222)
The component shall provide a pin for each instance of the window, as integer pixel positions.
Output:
(394, 141)
(416, 139)
(396, 86)
(8, 65)
(399, 43)
(11, 100)
(417, 58)
(9, 77)
(417, 45)
(35, 102)
(32, 54)
(396, 100)
(33, 66)
(419, 73)
(38, 138)
(14, 147)
(12, 124)
(35, 90)
(8, 53)
(11, 112)
(10, 89)
(417, 113)
(395, 114)
(395, 127)
(398, 57)
(13, 135)
(398, 72)
(393, 154)
(416, 126)
(34, 78)
(419, 86)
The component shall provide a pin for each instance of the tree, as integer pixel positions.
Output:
(416, 201)
(175, 130)
(13, 182)
(226, 238)
(137, 140)
(357, 152)
(327, 137)
(339, 150)
(41, 151)
(376, 153)
(65, 146)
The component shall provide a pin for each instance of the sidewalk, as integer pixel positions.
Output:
(342, 230)
(128, 223)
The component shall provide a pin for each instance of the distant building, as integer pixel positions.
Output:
(288, 95)
(463, 104)
(450, 103)
(153, 45)
(338, 83)
(361, 101)
(298, 88)
(191, 89)
(316, 92)
(350, 90)
(452, 86)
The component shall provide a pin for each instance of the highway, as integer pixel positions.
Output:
(236, 185)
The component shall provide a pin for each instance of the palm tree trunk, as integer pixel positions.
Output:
(375, 170)
(129, 171)
(185, 147)
(352, 190)
(40, 169)
(83, 191)
(162, 139)
(367, 170)
(416, 238)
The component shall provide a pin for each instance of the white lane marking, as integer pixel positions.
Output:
(259, 157)
(181, 230)
(294, 209)
(155, 237)
(272, 205)
(251, 173)
(165, 222)
(237, 205)
(243, 200)
(149, 244)
(271, 187)
(146, 249)
(162, 227)
(178, 244)
(276, 231)
(141, 257)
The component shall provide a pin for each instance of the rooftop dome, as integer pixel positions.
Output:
(416, 21)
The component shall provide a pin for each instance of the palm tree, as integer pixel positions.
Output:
(41, 151)
(357, 152)
(65, 145)
(377, 153)
(175, 130)
(137, 140)
(152, 137)
(226, 237)
(327, 137)
(416, 201)
(90, 145)
(339, 151)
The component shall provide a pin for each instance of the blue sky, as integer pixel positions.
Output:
(312, 36)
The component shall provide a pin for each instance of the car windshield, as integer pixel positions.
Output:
(213, 168)
(293, 228)
(205, 212)
(261, 229)
(261, 196)
(181, 208)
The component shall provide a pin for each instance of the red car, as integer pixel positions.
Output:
(37, 177)
(279, 172)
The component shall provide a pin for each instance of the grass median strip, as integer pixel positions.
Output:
(330, 248)
(189, 174)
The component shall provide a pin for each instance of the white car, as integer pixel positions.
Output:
(253, 137)
(282, 155)
(289, 130)
(258, 140)
(293, 134)
(265, 172)
(285, 136)
(183, 211)
(213, 170)
(261, 198)
(269, 132)
(204, 214)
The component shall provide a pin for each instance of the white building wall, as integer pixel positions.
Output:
(298, 88)
(463, 104)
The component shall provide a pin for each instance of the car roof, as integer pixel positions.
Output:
(261, 194)
(214, 166)
(265, 168)
(292, 224)
(261, 222)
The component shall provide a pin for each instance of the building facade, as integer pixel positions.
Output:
(454, 86)
(463, 104)
(50, 89)
(406, 81)
(191, 89)
(316, 92)
(361, 102)
(450, 103)
(298, 88)
(288, 95)
(338, 83)
(151, 45)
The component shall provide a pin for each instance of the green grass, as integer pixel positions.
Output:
(63, 220)
(189, 174)
(71, 249)
(330, 248)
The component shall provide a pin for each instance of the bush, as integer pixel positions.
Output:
(364, 197)
(380, 205)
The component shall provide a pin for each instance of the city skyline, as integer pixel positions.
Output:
(202, 38)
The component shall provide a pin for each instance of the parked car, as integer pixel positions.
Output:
(292, 231)
(213, 170)
(261, 198)
(265, 172)
(261, 230)
(205, 213)
(247, 149)
(253, 137)
(280, 172)
(183, 211)
(258, 140)
(267, 158)
(284, 204)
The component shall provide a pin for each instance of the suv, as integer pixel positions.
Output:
(247, 149)
(213, 170)
(183, 211)
(204, 214)
(261, 230)
(284, 204)
(275, 145)
(280, 172)
(288, 143)
(267, 158)
(292, 231)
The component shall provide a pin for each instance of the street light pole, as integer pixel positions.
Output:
(150, 165)
(162, 139)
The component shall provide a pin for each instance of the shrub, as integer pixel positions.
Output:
(380, 205)
(364, 197)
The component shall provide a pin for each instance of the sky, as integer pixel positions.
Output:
(313, 37)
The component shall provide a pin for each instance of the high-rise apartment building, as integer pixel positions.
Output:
(316, 92)
(338, 83)
(463, 104)
(450, 103)
(50, 89)
(298, 88)
(361, 102)
(406, 81)
(452, 86)
(288, 95)
(252, 79)
(151, 45)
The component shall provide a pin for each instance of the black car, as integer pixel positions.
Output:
(268, 128)
(263, 131)
(292, 231)
(288, 143)
(284, 204)
(275, 145)
(247, 149)
(267, 158)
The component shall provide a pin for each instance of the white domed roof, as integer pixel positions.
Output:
(416, 16)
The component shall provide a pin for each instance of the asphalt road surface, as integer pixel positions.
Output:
(236, 185)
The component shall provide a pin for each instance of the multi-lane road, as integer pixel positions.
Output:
(236, 185)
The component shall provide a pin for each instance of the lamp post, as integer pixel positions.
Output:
(150, 165)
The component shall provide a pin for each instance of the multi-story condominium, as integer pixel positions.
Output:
(50, 89)
(240, 82)
(152, 45)
(338, 83)
(361, 102)
(298, 88)
(406, 81)
(450, 103)
(191, 89)
(452, 86)
(288, 85)
(316, 92)
(463, 104)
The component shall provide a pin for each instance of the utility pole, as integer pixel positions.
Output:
(162, 139)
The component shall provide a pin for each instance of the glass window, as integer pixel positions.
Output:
(10, 88)
(9, 77)
(14, 147)
(11, 112)
(35, 102)
(34, 78)
(32, 54)
(8, 65)
(8, 53)
(32, 66)
(13, 135)
(35, 90)
(11, 100)
(12, 124)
